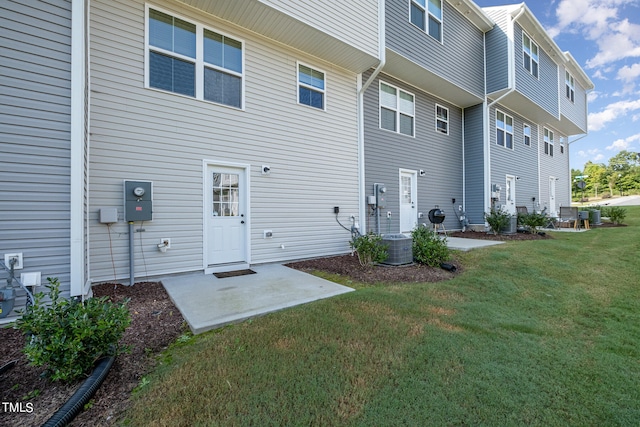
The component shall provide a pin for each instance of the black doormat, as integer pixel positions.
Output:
(233, 273)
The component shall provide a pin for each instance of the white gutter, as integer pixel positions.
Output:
(362, 200)
(77, 149)
(512, 88)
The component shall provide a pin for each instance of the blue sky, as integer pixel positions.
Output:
(604, 37)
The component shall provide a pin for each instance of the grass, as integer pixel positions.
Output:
(540, 333)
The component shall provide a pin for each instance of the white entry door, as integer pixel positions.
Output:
(226, 215)
(408, 191)
(552, 197)
(510, 202)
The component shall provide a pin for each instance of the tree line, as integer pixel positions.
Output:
(621, 176)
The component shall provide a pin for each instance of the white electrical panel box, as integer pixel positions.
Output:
(108, 215)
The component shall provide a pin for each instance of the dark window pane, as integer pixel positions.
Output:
(534, 68)
(527, 140)
(500, 137)
(406, 125)
(311, 97)
(222, 88)
(546, 147)
(551, 150)
(171, 74)
(509, 140)
(222, 51)
(417, 16)
(387, 119)
(317, 99)
(442, 126)
(434, 28)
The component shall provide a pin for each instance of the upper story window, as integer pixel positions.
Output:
(427, 15)
(569, 86)
(548, 142)
(531, 60)
(562, 145)
(504, 130)
(526, 130)
(442, 119)
(175, 64)
(311, 87)
(397, 110)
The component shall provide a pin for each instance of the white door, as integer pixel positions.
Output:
(226, 215)
(552, 197)
(510, 193)
(408, 190)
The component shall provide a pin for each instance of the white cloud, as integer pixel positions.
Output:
(612, 112)
(592, 96)
(624, 144)
(599, 21)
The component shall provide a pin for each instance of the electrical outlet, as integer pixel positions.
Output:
(267, 234)
(389, 214)
(166, 242)
(18, 263)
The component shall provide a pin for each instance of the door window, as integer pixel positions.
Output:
(226, 194)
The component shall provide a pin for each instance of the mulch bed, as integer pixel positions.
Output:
(155, 324)
(501, 237)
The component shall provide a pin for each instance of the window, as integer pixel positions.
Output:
(562, 145)
(548, 142)
(397, 110)
(527, 135)
(504, 130)
(442, 119)
(569, 86)
(310, 87)
(427, 15)
(175, 64)
(531, 59)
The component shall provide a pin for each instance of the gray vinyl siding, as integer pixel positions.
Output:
(146, 134)
(439, 155)
(575, 111)
(35, 137)
(556, 166)
(542, 90)
(458, 59)
(521, 161)
(497, 47)
(355, 22)
(474, 163)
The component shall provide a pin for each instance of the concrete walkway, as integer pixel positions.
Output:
(464, 244)
(207, 302)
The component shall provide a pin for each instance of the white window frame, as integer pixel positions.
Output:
(311, 87)
(424, 8)
(199, 62)
(548, 142)
(396, 110)
(562, 145)
(526, 136)
(504, 130)
(440, 119)
(528, 65)
(570, 87)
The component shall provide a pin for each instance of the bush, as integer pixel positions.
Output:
(606, 195)
(498, 220)
(68, 336)
(616, 214)
(429, 248)
(532, 221)
(370, 249)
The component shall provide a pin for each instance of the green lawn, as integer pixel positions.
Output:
(532, 333)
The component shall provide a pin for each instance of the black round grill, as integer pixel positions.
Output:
(436, 216)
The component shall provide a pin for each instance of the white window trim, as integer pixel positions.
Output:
(438, 119)
(323, 91)
(531, 60)
(199, 60)
(524, 135)
(426, 19)
(504, 145)
(571, 85)
(548, 141)
(397, 110)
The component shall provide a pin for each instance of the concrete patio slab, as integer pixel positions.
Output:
(464, 244)
(207, 302)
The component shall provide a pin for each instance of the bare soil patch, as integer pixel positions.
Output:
(155, 324)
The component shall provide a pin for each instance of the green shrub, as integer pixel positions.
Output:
(498, 220)
(68, 336)
(616, 214)
(532, 221)
(429, 248)
(370, 249)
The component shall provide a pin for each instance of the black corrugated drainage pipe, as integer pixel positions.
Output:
(449, 267)
(80, 398)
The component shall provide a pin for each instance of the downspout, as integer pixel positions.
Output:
(361, 89)
(512, 88)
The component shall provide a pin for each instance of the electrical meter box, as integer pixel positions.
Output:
(138, 201)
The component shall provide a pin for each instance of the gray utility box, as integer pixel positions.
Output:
(512, 226)
(138, 201)
(400, 249)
